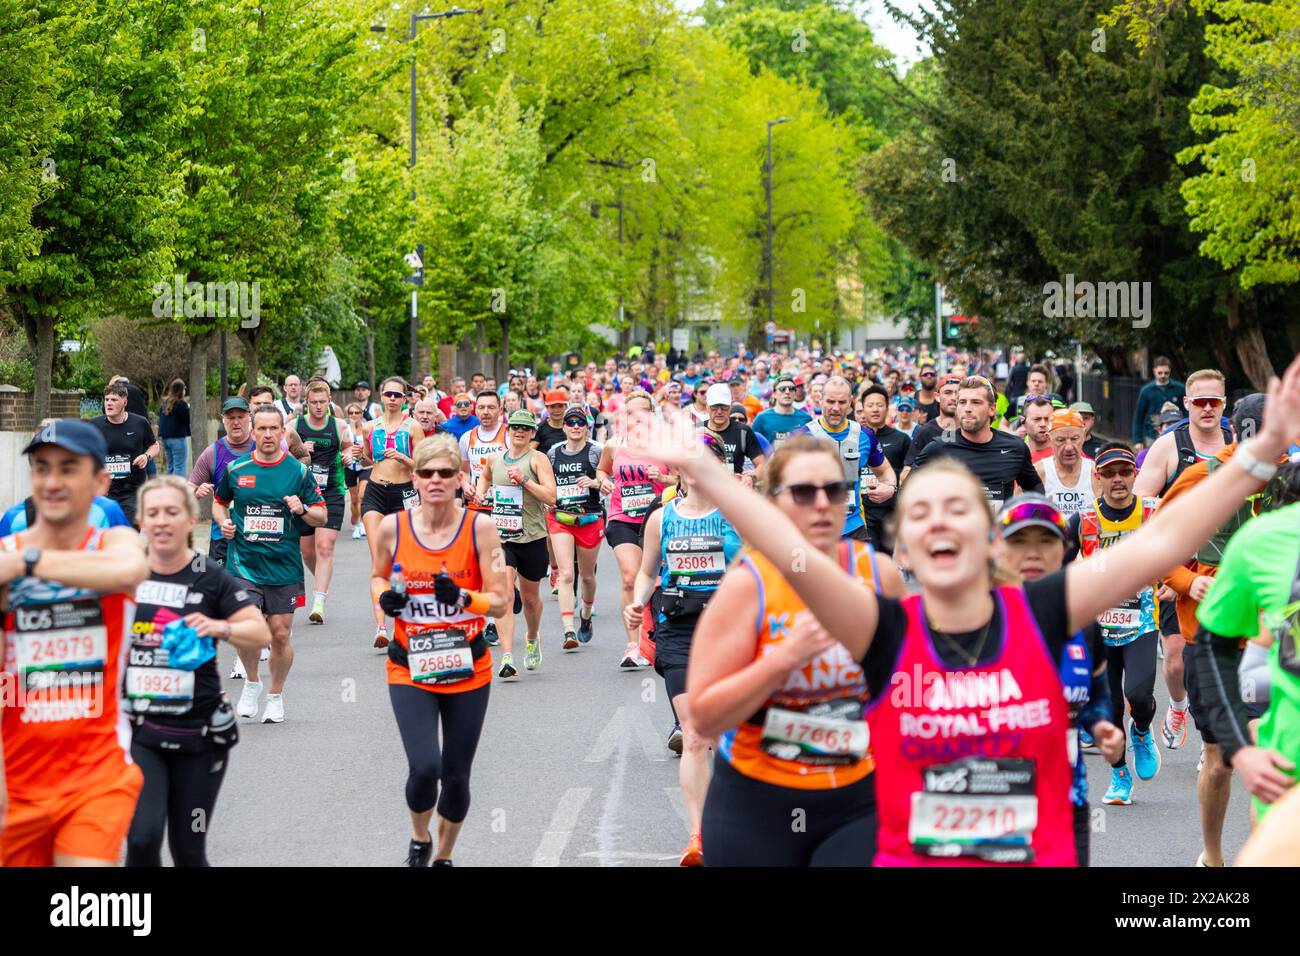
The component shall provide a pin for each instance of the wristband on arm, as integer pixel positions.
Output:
(476, 602)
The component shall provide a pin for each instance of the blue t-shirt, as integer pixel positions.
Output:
(870, 455)
(104, 513)
(456, 426)
(774, 426)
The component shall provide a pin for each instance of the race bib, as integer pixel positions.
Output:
(1121, 624)
(697, 560)
(820, 740)
(158, 690)
(321, 475)
(410, 498)
(264, 522)
(508, 511)
(119, 466)
(570, 493)
(56, 640)
(439, 656)
(635, 498)
(976, 807)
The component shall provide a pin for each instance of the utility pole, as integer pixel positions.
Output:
(768, 188)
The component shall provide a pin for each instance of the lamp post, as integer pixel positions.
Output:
(768, 188)
(382, 28)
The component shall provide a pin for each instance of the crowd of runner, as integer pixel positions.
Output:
(904, 595)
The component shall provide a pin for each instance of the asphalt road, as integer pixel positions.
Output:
(572, 769)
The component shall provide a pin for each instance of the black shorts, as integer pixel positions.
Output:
(273, 598)
(530, 559)
(352, 478)
(673, 651)
(386, 499)
(217, 548)
(1196, 704)
(624, 532)
(1169, 618)
(333, 515)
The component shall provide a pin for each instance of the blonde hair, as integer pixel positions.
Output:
(319, 385)
(440, 445)
(1202, 374)
(641, 395)
(176, 483)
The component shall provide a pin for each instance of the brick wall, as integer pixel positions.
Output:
(18, 408)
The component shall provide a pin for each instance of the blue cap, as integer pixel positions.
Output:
(71, 434)
(906, 405)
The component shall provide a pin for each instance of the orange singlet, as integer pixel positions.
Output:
(440, 630)
(818, 713)
(67, 743)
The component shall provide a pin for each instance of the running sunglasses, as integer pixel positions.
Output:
(784, 388)
(427, 473)
(1207, 401)
(575, 422)
(1035, 511)
(1123, 471)
(464, 405)
(394, 395)
(806, 494)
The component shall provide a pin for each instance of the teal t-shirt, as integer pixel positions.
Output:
(775, 426)
(264, 549)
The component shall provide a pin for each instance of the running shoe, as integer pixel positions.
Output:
(490, 634)
(363, 531)
(1146, 755)
(675, 740)
(507, 670)
(1174, 728)
(317, 615)
(417, 854)
(237, 670)
(356, 532)
(533, 655)
(570, 641)
(1086, 742)
(1200, 860)
(274, 713)
(693, 855)
(249, 699)
(1120, 791)
(641, 661)
(381, 636)
(629, 657)
(585, 631)
(519, 602)
(265, 655)
(443, 863)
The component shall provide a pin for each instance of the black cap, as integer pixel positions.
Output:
(1248, 416)
(738, 409)
(361, 385)
(736, 380)
(71, 434)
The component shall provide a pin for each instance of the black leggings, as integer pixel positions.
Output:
(417, 712)
(751, 823)
(1131, 670)
(179, 793)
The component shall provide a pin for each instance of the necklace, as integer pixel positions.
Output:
(970, 659)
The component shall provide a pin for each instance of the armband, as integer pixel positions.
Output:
(1259, 470)
(476, 602)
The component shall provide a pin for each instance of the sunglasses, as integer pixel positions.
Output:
(1122, 472)
(1034, 511)
(463, 405)
(575, 423)
(1207, 401)
(427, 473)
(394, 395)
(785, 388)
(520, 428)
(806, 494)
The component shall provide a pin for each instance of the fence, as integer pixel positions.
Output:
(1114, 399)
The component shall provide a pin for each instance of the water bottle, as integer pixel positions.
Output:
(396, 582)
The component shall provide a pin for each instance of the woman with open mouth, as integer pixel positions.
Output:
(968, 720)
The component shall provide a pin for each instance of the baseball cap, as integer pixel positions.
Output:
(736, 380)
(361, 385)
(739, 409)
(1031, 510)
(1170, 415)
(556, 397)
(1083, 408)
(575, 415)
(906, 405)
(71, 434)
(521, 417)
(718, 395)
(235, 404)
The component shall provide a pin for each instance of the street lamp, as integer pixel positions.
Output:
(768, 184)
(382, 28)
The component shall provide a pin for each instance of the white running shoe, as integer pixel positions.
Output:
(356, 532)
(249, 699)
(274, 713)
(237, 670)
(265, 655)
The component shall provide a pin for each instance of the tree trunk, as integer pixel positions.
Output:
(198, 385)
(249, 337)
(40, 336)
(1248, 341)
(505, 342)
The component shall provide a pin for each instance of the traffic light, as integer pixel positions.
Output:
(571, 361)
(954, 329)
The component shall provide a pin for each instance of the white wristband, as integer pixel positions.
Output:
(1260, 471)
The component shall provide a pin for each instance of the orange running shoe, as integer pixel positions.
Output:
(693, 855)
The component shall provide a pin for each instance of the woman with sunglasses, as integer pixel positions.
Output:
(634, 480)
(356, 474)
(439, 665)
(577, 522)
(963, 676)
(688, 548)
(183, 725)
(789, 706)
(1129, 630)
(1032, 543)
(386, 447)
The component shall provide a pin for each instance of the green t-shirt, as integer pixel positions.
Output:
(264, 549)
(1255, 575)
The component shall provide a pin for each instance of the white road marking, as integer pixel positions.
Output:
(563, 822)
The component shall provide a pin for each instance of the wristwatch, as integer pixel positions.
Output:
(30, 557)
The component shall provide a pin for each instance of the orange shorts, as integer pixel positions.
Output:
(586, 535)
(91, 824)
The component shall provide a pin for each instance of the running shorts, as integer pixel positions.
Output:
(386, 499)
(586, 535)
(273, 598)
(1169, 618)
(217, 551)
(1196, 703)
(333, 515)
(673, 652)
(530, 558)
(352, 478)
(90, 823)
(624, 532)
